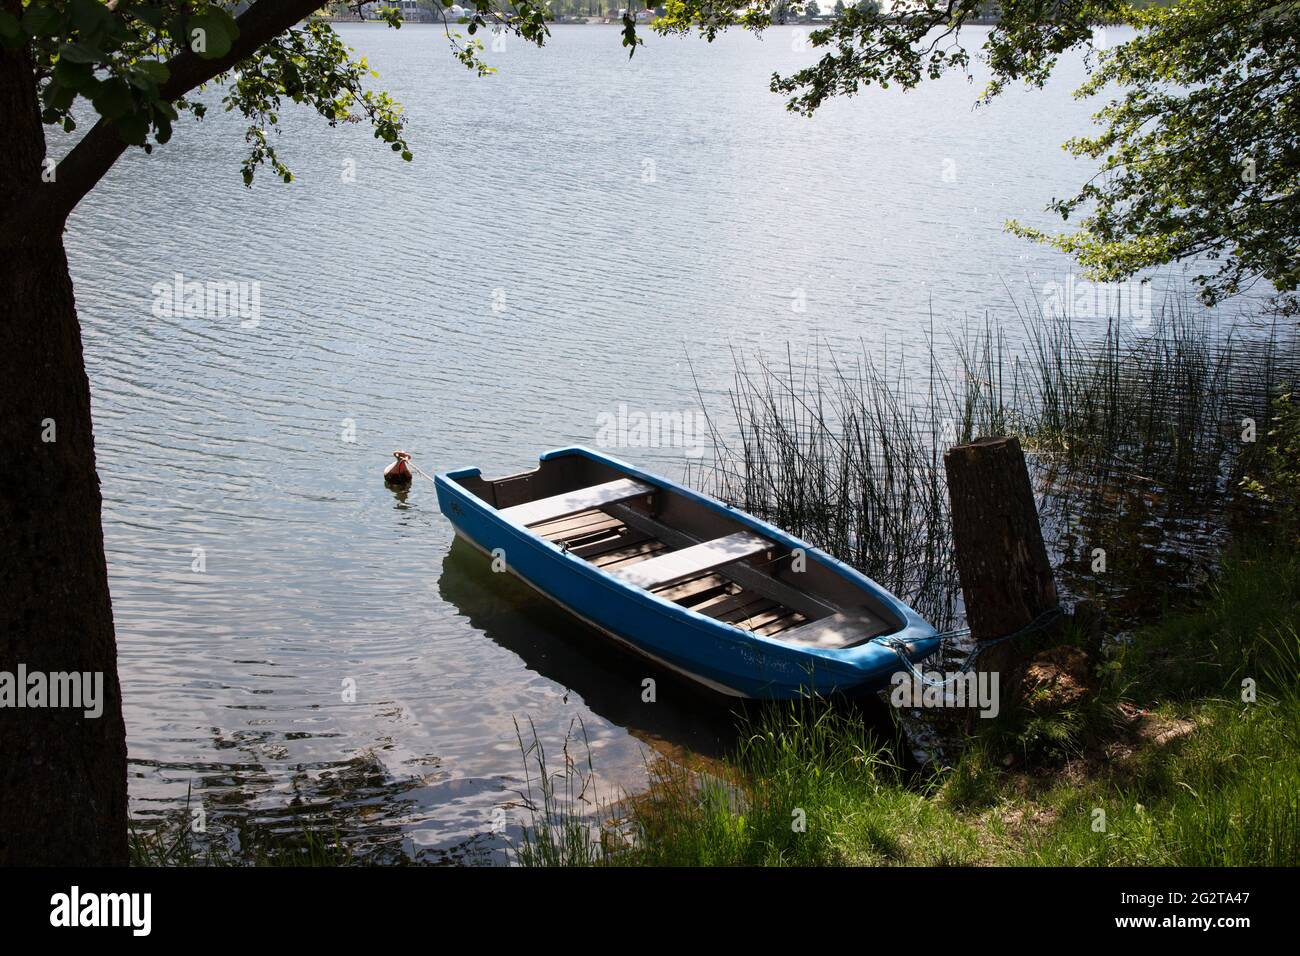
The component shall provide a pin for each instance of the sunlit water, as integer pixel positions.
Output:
(572, 233)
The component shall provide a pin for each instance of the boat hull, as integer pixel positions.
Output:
(716, 655)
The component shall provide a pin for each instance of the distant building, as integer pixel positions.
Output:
(641, 16)
(412, 11)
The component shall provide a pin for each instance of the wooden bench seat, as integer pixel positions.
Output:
(573, 502)
(837, 630)
(696, 559)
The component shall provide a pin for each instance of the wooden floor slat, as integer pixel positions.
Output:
(587, 521)
(732, 604)
(626, 557)
(701, 598)
(758, 612)
(606, 541)
(583, 537)
(705, 582)
(760, 616)
(772, 628)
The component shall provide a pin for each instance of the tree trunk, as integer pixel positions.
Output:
(62, 773)
(1006, 577)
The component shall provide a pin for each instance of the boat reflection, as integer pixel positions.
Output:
(686, 724)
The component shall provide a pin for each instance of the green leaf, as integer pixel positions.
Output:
(76, 76)
(90, 16)
(42, 21)
(113, 99)
(176, 30)
(150, 15)
(133, 128)
(9, 28)
(58, 96)
(153, 69)
(210, 35)
(80, 53)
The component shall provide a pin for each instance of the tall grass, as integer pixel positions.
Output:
(841, 458)
(568, 826)
(805, 768)
(1245, 630)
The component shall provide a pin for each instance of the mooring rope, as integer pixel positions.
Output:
(417, 469)
(899, 647)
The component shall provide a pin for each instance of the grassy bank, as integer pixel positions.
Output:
(1175, 451)
(1163, 764)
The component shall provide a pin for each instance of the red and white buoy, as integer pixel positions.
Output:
(398, 473)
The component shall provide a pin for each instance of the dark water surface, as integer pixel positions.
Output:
(571, 231)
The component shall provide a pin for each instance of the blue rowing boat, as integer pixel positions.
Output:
(708, 591)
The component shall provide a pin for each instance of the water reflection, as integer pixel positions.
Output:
(248, 808)
(687, 724)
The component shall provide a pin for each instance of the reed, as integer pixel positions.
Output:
(1137, 440)
(840, 457)
(567, 824)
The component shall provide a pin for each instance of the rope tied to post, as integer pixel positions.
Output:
(899, 647)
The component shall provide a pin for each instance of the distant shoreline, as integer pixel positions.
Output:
(559, 23)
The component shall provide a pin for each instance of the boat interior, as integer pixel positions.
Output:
(685, 552)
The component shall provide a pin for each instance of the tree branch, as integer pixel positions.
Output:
(92, 157)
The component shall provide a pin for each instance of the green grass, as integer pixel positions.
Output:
(810, 785)
(1244, 629)
(814, 788)
(1229, 795)
(567, 826)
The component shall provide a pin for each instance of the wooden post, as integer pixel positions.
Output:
(1006, 579)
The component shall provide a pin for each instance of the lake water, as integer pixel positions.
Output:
(571, 233)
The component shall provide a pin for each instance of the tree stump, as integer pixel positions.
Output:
(1006, 578)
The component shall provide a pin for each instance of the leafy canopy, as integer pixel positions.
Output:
(135, 63)
(121, 57)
